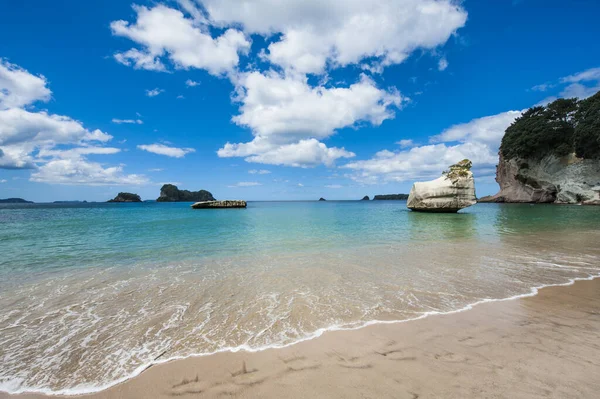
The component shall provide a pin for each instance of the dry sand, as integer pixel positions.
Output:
(547, 346)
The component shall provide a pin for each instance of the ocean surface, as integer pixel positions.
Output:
(92, 294)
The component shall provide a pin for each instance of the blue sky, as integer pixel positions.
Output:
(252, 100)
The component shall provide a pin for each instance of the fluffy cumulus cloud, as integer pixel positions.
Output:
(288, 117)
(56, 146)
(162, 149)
(477, 140)
(316, 33)
(19, 87)
(163, 32)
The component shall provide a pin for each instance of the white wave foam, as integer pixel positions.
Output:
(14, 386)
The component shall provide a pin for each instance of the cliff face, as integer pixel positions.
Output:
(552, 179)
(170, 193)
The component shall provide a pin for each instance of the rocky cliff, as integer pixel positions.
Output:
(170, 193)
(126, 197)
(551, 179)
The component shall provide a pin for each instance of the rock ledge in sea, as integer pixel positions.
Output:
(390, 197)
(219, 204)
(450, 193)
(126, 197)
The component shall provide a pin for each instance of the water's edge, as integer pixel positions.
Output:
(83, 390)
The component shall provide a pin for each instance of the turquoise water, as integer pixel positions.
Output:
(90, 294)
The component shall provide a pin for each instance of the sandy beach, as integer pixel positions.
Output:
(545, 346)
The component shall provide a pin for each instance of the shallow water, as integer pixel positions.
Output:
(91, 294)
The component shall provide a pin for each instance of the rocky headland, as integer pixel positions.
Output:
(126, 197)
(453, 191)
(391, 197)
(14, 201)
(170, 193)
(552, 155)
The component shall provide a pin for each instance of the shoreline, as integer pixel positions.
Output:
(229, 358)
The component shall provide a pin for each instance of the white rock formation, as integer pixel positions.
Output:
(452, 192)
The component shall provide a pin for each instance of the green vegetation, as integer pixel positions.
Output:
(458, 170)
(560, 128)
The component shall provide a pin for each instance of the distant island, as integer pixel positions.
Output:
(322, 199)
(551, 154)
(366, 198)
(390, 197)
(170, 193)
(15, 201)
(126, 197)
(70, 202)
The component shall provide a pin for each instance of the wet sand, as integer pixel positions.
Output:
(546, 346)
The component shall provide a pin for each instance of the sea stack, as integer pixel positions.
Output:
(126, 197)
(365, 198)
(453, 191)
(219, 204)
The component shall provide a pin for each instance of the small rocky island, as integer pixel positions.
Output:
(322, 199)
(14, 201)
(391, 197)
(365, 198)
(453, 191)
(219, 204)
(126, 197)
(170, 193)
(551, 154)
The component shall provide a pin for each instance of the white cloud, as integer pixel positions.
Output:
(304, 153)
(580, 85)
(287, 116)
(317, 33)
(180, 97)
(155, 170)
(406, 143)
(154, 92)
(592, 74)
(3, 181)
(162, 149)
(246, 184)
(259, 172)
(55, 145)
(78, 171)
(477, 140)
(334, 186)
(300, 184)
(442, 64)
(127, 121)
(165, 32)
(191, 83)
(19, 88)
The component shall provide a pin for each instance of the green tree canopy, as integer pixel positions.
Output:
(562, 127)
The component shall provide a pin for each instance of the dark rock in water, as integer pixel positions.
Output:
(15, 201)
(170, 193)
(126, 197)
(365, 198)
(322, 199)
(390, 197)
(219, 204)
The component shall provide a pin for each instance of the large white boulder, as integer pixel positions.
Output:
(452, 192)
